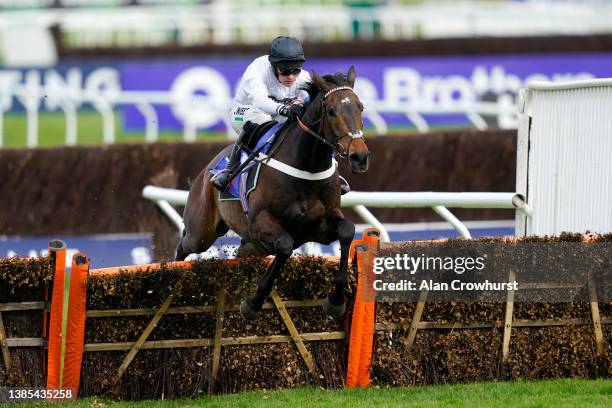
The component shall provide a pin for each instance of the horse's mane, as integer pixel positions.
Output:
(313, 89)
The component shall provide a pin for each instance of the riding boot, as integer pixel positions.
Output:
(222, 179)
(344, 186)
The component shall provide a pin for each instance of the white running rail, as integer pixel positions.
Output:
(358, 200)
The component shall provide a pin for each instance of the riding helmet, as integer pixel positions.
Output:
(286, 53)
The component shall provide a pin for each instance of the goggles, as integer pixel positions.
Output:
(288, 71)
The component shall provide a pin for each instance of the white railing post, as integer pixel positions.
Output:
(368, 217)
(150, 117)
(108, 121)
(419, 122)
(454, 221)
(190, 131)
(377, 120)
(1, 127)
(71, 122)
(32, 125)
(172, 214)
(477, 120)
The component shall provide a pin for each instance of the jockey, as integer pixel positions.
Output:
(270, 89)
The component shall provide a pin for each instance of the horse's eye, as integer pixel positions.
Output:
(331, 111)
(360, 106)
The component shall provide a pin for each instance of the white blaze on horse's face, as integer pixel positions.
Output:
(344, 114)
(343, 110)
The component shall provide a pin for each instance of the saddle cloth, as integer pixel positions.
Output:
(244, 183)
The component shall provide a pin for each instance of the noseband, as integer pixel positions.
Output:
(335, 146)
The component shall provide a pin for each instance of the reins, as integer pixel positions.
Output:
(316, 135)
(336, 146)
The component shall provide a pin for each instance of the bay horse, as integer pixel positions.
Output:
(288, 210)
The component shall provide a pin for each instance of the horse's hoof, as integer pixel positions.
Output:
(332, 310)
(247, 311)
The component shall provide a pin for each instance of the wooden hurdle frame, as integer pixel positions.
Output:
(217, 342)
(219, 310)
(361, 336)
(509, 321)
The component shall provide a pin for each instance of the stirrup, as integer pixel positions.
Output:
(222, 179)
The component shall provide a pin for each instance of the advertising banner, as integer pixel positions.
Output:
(103, 251)
(383, 84)
(48, 88)
(200, 91)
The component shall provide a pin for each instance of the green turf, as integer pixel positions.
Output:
(89, 130)
(557, 393)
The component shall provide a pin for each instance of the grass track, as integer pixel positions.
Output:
(551, 393)
(52, 125)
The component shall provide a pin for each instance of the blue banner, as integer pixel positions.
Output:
(102, 250)
(66, 80)
(440, 81)
(445, 81)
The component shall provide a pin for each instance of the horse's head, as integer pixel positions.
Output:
(341, 116)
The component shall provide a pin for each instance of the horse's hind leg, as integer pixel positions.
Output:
(203, 223)
(198, 243)
(180, 253)
(266, 228)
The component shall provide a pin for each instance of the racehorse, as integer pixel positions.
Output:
(288, 210)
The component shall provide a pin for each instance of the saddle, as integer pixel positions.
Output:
(257, 132)
(261, 139)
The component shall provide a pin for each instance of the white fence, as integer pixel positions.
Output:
(439, 202)
(70, 101)
(564, 163)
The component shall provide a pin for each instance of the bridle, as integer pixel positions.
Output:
(335, 146)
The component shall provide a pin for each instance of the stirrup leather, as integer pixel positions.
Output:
(344, 186)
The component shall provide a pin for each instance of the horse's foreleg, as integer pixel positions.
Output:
(335, 303)
(266, 228)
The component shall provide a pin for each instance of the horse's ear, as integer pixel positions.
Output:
(351, 76)
(319, 81)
